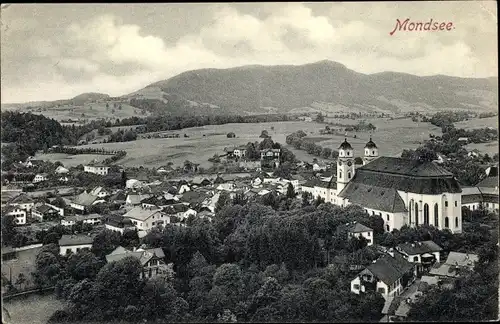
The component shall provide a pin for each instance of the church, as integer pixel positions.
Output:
(401, 191)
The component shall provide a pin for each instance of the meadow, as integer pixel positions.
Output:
(33, 309)
(391, 136)
(69, 160)
(478, 123)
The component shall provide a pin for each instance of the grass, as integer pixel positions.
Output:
(478, 123)
(484, 148)
(25, 264)
(391, 136)
(33, 309)
(69, 160)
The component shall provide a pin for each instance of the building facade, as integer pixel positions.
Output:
(402, 192)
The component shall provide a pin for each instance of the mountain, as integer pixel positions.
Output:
(327, 86)
(324, 86)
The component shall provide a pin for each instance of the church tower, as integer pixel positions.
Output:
(371, 152)
(345, 166)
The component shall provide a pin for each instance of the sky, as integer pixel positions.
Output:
(53, 51)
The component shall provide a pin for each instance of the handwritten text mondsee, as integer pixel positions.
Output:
(421, 26)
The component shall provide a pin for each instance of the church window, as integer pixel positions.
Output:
(387, 228)
(456, 222)
(456, 203)
(387, 217)
(446, 222)
(340, 174)
(416, 213)
(446, 204)
(348, 175)
(373, 152)
(426, 214)
(436, 215)
(373, 213)
(410, 210)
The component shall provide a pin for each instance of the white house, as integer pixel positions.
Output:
(96, 169)
(389, 275)
(45, 212)
(152, 260)
(40, 177)
(84, 201)
(357, 230)
(74, 243)
(100, 192)
(18, 214)
(146, 218)
(22, 201)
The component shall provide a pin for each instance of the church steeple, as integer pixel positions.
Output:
(345, 167)
(371, 152)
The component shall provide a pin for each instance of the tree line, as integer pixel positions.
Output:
(298, 140)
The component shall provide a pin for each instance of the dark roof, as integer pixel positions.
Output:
(407, 175)
(118, 221)
(174, 209)
(75, 240)
(85, 199)
(119, 196)
(373, 197)
(312, 183)
(417, 248)
(45, 208)
(488, 198)
(356, 227)
(389, 269)
(489, 182)
(370, 144)
(21, 199)
(469, 199)
(493, 171)
(345, 145)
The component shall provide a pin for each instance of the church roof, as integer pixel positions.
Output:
(345, 145)
(489, 182)
(370, 144)
(406, 175)
(373, 197)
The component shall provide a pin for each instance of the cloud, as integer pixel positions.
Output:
(110, 54)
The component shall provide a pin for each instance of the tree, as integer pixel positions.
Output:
(231, 135)
(105, 242)
(8, 229)
(224, 200)
(320, 118)
(21, 280)
(83, 265)
(290, 192)
(264, 134)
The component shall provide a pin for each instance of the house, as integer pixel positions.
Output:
(134, 199)
(423, 254)
(134, 184)
(40, 177)
(84, 201)
(455, 263)
(463, 140)
(96, 169)
(18, 213)
(473, 153)
(236, 152)
(118, 224)
(179, 212)
(389, 275)
(146, 218)
(33, 163)
(61, 170)
(160, 201)
(484, 195)
(357, 230)
(319, 167)
(100, 192)
(152, 260)
(45, 212)
(74, 243)
(22, 201)
(91, 219)
(119, 197)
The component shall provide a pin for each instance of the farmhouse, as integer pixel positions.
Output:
(152, 260)
(389, 275)
(74, 243)
(16, 212)
(22, 201)
(96, 169)
(402, 192)
(84, 201)
(40, 177)
(118, 224)
(45, 212)
(146, 218)
(423, 254)
(91, 219)
(357, 230)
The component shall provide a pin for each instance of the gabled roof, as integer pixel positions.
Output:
(118, 221)
(85, 199)
(140, 213)
(143, 255)
(356, 227)
(389, 269)
(136, 199)
(489, 182)
(417, 248)
(373, 197)
(80, 218)
(67, 240)
(413, 168)
(98, 190)
(21, 199)
(45, 208)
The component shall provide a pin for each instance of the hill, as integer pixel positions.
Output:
(326, 86)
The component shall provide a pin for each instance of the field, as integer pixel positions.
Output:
(25, 264)
(90, 111)
(34, 309)
(484, 148)
(391, 137)
(478, 123)
(69, 160)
